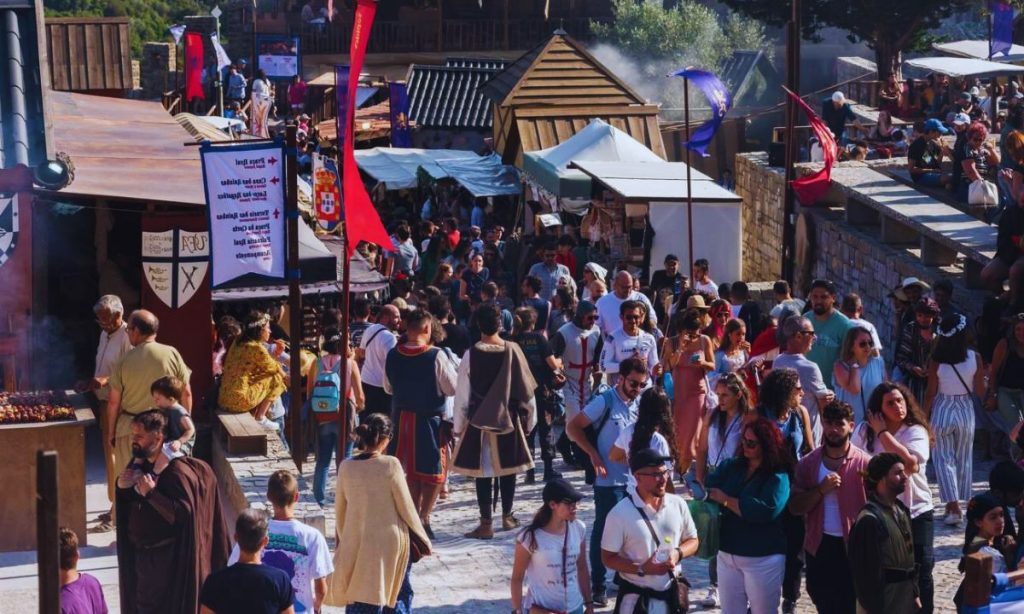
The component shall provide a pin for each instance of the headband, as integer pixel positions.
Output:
(960, 326)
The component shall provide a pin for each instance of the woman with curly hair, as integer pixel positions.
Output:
(896, 424)
(753, 489)
(653, 429)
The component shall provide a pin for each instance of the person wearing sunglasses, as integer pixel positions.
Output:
(646, 536)
(610, 412)
(753, 489)
(858, 371)
(631, 341)
(798, 339)
(551, 555)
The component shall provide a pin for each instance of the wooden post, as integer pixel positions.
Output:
(343, 433)
(294, 300)
(440, 25)
(47, 532)
(793, 83)
(689, 186)
(977, 580)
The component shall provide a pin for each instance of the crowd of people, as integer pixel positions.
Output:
(774, 438)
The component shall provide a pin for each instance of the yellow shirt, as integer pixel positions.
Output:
(139, 368)
(251, 375)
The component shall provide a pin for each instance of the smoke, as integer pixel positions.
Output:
(650, 79)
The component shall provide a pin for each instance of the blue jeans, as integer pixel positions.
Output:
(605, 498)
(326, 446)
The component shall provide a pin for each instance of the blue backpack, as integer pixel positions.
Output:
(326, 397)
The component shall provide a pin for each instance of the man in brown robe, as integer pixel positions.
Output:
(170, 532)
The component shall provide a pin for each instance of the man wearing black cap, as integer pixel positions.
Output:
(668, 278)
(881, 546)
(646, 553)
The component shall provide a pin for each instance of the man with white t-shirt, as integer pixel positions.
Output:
(702, 281)
(608, 305)
(630, 341)
(377, 341)
(645, 537)
(294, 547)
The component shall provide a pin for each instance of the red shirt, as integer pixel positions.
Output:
(453, 239)
(851, 494)
(568, 260)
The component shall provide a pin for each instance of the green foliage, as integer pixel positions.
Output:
(690, 33)
(149, 18)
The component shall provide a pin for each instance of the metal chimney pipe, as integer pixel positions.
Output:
(16, 78)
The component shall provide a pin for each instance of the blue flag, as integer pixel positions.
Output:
(1002, 29)
(401, 134)
(718, 98)
(341, 102)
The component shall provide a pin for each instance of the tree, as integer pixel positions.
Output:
(889, 27)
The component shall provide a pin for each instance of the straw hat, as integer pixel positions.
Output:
(696, 302)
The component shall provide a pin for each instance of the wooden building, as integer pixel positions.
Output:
(90, 54)
(552, 91)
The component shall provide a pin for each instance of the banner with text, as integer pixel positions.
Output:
(244, 188)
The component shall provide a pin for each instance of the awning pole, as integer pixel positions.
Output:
(689, 191)
(298, 447)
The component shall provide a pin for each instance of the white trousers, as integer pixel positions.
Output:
(754, 581)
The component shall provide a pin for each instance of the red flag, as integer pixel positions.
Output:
(361, 220)
(810, 188)
(194, 66)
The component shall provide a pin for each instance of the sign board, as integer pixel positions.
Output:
(8, 226)
(174, 263)
(278, 55)
(244, 186)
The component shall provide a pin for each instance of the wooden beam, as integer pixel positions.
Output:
(594, 110)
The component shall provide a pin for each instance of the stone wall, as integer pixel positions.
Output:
(762, 189)
(243, 481)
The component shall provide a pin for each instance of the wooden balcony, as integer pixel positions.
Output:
(450, 35)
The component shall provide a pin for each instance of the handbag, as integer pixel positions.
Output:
(417, 547)
(707, 518)
(982, 192)
(710, 397)
(979, 407)
(679, 582)
(539, 609)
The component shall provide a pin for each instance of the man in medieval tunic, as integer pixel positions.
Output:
(494, 411)
(881, 546)
(170, 531)
(578, 344)
(419, 377)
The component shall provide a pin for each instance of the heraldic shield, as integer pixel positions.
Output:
(174, 263)
(8, 226)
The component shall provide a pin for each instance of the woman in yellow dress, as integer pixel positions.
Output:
(252, 379)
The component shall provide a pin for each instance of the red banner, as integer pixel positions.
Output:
(810, 188)
(193, 66)
(361, 220)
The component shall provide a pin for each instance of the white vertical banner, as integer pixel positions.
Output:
(222, 56)
(245, 200)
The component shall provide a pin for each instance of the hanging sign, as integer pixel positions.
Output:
(244, 187)
(326, 192)
(8, 226)
(174, 263)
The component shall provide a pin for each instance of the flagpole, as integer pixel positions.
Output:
(689, 192)
(793, 83)
(298, 448)
(343, 433)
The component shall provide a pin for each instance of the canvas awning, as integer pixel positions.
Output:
(397, 168)
(978, 49)
(963, 67)
(364, 279)
(660, 181)
(598, 141)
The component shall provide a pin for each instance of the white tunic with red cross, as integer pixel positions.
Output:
(580, 359)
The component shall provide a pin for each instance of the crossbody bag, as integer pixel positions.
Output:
(539, 609)
(681, 586)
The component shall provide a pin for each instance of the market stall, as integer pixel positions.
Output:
(398, 169)
(979, 50)
(33, 421)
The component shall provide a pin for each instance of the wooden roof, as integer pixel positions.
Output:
(89, 53)
(125, 149)
(559, 72)
(539, 130)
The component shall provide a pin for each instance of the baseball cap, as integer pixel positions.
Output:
(838, 97)
(647, 458)
(936, 125)
(913, 281)
(560, 490)
(965, 96)
(671, 258)
(961, 119)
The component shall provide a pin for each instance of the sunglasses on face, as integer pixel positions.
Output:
(750, 444)
(632, 317)
(632, 383)
(809, 332)
(866, 344)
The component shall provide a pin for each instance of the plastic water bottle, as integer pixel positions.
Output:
(663, 555)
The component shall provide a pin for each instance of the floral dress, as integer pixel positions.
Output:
(251, 376)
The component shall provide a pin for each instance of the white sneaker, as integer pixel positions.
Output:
(710, 599)
(269, 424)
(953, 520)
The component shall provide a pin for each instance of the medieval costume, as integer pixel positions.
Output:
(494, 410)
(169, 541)
(579, 347)
(881, 551)
(419, 379)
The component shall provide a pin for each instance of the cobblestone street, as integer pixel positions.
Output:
(466, 576)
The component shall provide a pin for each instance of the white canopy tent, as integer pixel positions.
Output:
(717, 215)
(397, 168)
(964, 67)
(978, 49)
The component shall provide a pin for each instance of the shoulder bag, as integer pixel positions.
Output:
(982, 192)
(539, 609)
(591, 432)
(680, 585)
(979, 408)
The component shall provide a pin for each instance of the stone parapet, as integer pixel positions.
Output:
(762, 189)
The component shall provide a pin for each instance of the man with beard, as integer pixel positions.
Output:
(170, 531)
(828, 491)
(830, 327)
(881, 546)
(578, 345)
(914, 347)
